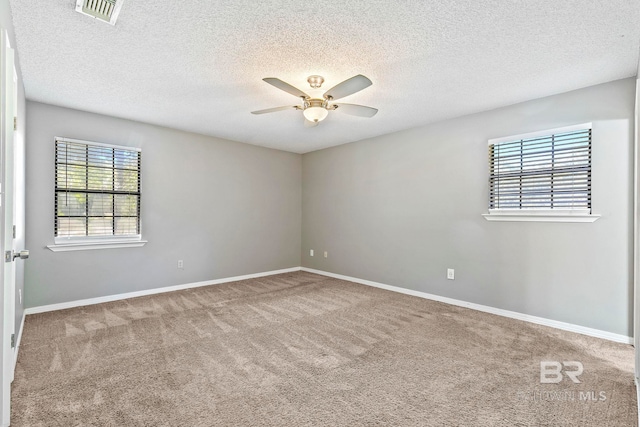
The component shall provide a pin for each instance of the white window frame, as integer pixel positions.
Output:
(541, 215)
(78, 243)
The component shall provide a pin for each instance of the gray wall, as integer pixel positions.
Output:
(402, 208)
(19, 219)
(225, 208)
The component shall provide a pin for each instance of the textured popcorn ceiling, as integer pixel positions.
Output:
(198, 65)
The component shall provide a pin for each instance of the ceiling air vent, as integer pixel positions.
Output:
(102, 10)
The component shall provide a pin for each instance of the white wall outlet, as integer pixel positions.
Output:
(180, 264)
(311, 252)
(20, 295)
(451, 274)
(326, 254)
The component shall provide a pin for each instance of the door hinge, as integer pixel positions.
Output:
(13, 340)
(14, 231)
(15, 123)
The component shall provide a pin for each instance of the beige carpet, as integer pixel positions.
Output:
(300, 349)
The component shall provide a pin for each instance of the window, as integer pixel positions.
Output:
(97, 193)
(542, 174)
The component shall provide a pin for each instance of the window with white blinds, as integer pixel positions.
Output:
(544, 172)
(97, 190)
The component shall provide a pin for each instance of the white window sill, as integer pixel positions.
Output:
(540, 216)
(86, 246)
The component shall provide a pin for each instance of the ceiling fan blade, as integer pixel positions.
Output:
(348, 87)
(356, 110)
(310, 124)
(273, 110)
(285, 87)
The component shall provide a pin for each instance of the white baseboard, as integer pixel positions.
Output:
(109, 298)
(487, 309)
(15, 352)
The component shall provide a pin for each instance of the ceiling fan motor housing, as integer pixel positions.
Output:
(315, 102)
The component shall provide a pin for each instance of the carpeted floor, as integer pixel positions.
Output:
(300, 349)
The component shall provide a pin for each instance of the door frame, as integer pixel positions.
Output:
(636, 237)
(8, 103)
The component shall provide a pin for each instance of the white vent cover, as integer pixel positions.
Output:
(102, 10)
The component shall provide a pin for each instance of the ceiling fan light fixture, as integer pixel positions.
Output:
(316, 103)
(315, 114)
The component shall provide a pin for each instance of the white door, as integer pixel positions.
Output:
(8, 104)
(636, 237)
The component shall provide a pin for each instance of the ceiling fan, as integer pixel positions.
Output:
(316, 106)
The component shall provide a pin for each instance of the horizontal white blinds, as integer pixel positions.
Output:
(97, 190)
(547, 172)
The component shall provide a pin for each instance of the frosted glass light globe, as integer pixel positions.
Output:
(315, 114)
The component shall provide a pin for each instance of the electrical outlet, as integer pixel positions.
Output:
(326, 254)
(180, 264)
(311, 252)
(451, 274)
